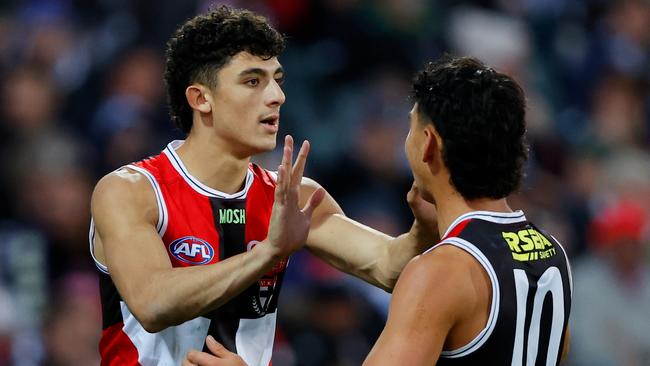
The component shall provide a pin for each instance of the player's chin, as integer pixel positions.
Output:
(266, 143)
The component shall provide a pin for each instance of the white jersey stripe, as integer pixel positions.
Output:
(253, 340)
(167, 347)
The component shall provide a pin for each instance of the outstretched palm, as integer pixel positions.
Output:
(289, 225)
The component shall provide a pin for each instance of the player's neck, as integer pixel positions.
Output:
(451, 205)
(213, 164)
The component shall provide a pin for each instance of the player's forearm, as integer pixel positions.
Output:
(349, 246)
(408, 245)
(366, 253)
(173, 296)
(399, 251)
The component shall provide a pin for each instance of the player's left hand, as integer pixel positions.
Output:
(426, 216)
(220, 356)
(289, 225)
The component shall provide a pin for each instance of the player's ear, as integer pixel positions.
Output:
(197, 98)
(432, 144)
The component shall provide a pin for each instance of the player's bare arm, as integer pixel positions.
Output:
(363, 251)
(440, 302)
(125, 213)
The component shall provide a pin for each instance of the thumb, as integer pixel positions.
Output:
(215, 347)
(313, 202)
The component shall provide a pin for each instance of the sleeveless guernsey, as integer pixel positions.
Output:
(199, 226)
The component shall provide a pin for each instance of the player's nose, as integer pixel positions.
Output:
(275, 95)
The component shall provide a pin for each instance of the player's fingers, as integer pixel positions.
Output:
(313, 202)
(287, 158)
(215, 347)
(299, 166)
(280, 190)
(288, 144)
(201, 358)
(187, 362)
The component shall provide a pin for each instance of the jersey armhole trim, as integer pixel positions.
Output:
(485, 333)
(161, 226)
(568, 264)
(91, 238)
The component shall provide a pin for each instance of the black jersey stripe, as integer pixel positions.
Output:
(225, 320)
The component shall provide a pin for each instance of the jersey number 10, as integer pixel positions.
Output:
(550, 281)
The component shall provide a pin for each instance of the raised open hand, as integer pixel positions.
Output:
(289, 225)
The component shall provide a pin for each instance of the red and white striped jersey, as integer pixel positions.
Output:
(198, 226)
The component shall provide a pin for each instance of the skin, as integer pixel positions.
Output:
(226, 132)
(442, 298)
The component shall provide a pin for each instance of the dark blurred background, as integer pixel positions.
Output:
(81, 94)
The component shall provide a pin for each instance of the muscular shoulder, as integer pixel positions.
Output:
(440, 266)
(441, 278)
(124, 192)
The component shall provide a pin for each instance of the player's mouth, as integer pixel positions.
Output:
(271, 123)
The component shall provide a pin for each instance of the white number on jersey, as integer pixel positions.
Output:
(550, 281)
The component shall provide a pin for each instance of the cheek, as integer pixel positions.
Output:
(234, 112)
(408, 147)
(406, 143)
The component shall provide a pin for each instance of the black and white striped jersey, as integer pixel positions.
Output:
(531, 290)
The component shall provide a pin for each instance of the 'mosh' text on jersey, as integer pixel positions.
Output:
(232, 215)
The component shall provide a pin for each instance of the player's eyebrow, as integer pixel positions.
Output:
(260, 72)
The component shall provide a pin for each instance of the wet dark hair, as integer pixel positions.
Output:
(480, 116)
(207, 42)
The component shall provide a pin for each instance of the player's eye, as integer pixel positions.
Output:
(280, 80)
(253, 82)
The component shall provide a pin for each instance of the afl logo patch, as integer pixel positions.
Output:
(191, 249)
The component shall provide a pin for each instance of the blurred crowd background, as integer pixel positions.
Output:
(81, 94)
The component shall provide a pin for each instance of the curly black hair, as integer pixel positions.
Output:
(207, 42)
(480, 116)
